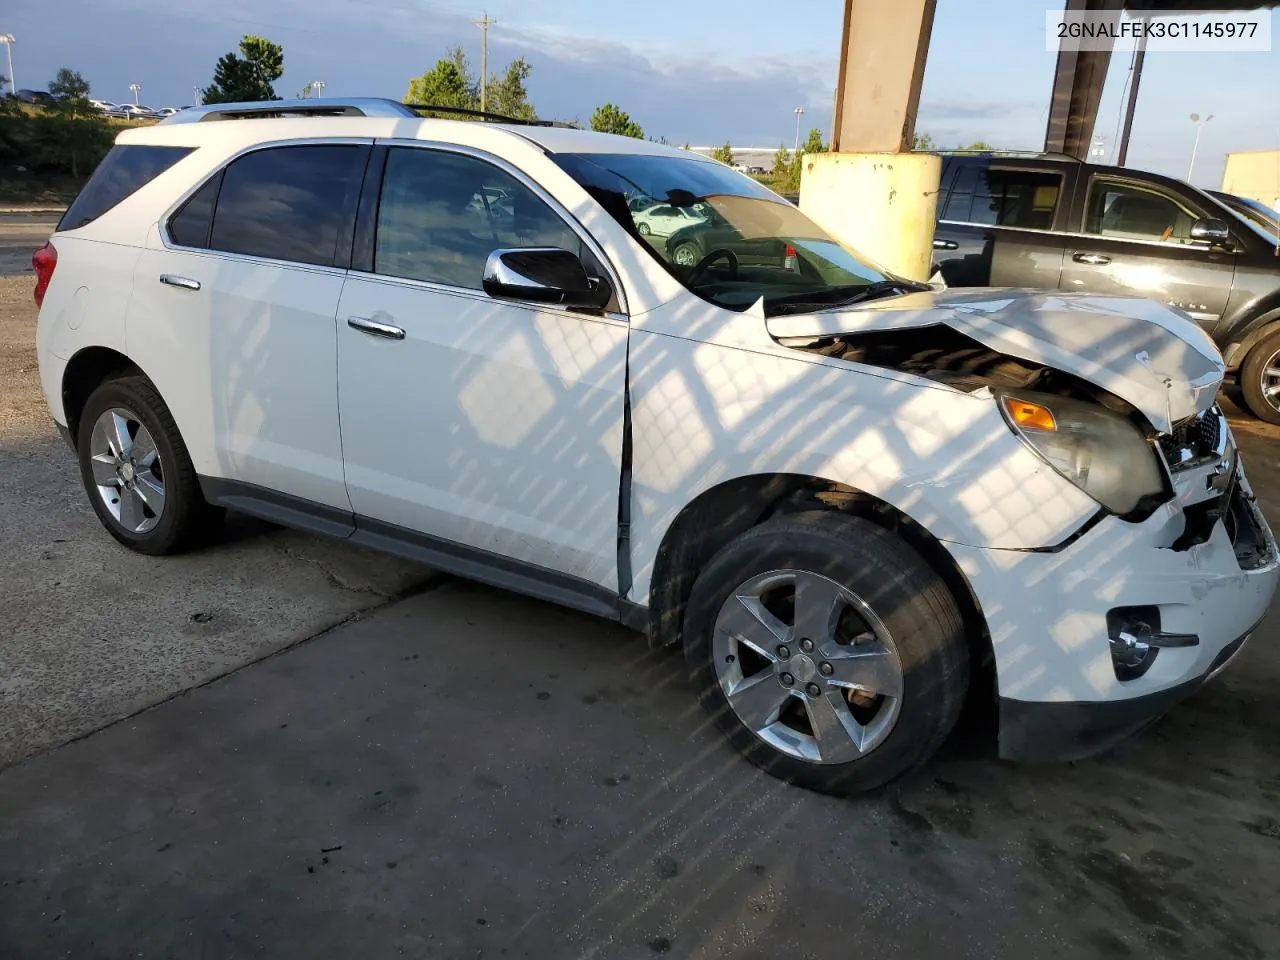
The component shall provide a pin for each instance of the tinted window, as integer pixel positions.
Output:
(123, 171)
(189, 227)
(1136, 213)
(289, 203)
(961, 198)
(442, 214)
(1015, 198)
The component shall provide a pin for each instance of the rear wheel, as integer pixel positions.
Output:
(1260, 379)
(136, 469)
(827, 651)
(643, 229)
(686, 255)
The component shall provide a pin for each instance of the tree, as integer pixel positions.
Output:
(507, 95)
(922, 141)
(70, 84)
(979, 145)
(448, 84)
(248, 76)
(608, 118)
(813, 143)
(781, 162)
(723, 154)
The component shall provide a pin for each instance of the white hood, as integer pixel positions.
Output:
(1148, 354)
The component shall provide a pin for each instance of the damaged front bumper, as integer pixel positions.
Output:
(1195, 579)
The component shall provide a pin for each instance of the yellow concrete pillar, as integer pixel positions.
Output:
(881, 204)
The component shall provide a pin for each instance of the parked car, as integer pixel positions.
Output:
(742, 243)
(166, 111)
(1258, 213)
(663, 219)
(1058, 224)
(848, 498)
(104, 106)
(42, 97)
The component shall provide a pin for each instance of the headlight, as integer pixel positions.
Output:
(1101, 452)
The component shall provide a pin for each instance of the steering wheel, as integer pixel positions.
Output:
(719, 253)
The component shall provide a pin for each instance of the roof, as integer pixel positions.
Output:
(370, 117)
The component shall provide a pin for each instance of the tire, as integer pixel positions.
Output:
(686, 255)
(150, 504)
(885, 594)
(1254, 380)
(643, 229)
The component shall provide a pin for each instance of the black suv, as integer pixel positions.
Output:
(1053, 222)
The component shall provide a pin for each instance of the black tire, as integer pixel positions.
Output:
(1253, 379)
(185, 518)
(911, 601)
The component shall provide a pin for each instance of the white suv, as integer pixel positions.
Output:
(849, 498)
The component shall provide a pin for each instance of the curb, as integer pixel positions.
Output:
(34, 209)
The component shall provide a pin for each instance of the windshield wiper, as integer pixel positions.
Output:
(838, 296)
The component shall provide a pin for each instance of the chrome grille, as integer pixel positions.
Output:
(1195, 439)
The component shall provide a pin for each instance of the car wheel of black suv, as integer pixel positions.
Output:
(827, 651)
(136, 469)
(1260, 379)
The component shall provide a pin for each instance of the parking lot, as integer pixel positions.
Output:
(282, 746)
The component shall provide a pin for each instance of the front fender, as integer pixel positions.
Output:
(705, 413)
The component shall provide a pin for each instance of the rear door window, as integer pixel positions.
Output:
(1016, 198)
(189, 227)
(290, 203)
(123, 171)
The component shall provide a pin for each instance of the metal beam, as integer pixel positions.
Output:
(1077, 89)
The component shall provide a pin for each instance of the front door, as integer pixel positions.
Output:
(1135, 239)
(473, 421)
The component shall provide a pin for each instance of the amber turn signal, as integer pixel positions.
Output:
(1030, 415)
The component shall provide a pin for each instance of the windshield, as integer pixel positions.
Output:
(1261, 218)
(724, 236)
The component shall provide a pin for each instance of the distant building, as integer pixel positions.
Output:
(1254, 174)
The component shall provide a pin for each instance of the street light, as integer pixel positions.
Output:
(8, 40)
(317, 88)
(1196, 119)
(135, 87)
(799, 112)
(198, 97)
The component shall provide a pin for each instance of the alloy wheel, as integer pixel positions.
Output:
(127, 471)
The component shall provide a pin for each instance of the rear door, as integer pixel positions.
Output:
(998, 225)
(233, 317)
(1133, 237)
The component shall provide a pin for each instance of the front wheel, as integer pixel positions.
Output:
(827, 651)
(1260, 379)
(686, 255)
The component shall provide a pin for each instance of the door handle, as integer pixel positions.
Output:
(945, 245)
(1093, 259)
(186, 283)
(375, 329)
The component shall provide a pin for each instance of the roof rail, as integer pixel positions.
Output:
(314, 107)
(333, 107)
(1029, 154)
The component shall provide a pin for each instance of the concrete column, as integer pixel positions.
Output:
(871, 192)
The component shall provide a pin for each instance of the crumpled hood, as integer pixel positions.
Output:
(1154, 357)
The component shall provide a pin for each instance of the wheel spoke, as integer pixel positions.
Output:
(103, 466)
(869, 667)
(131, 515)
(836, 734)
(151, 492)
(118, 436)
(757, 699)
(144, 450)
(747, 621)
(1272, 372)
(1272, 390)
(817, 603)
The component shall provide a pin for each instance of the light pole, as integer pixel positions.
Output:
(135, 87)
(1196, 119)
(799, 112)
(8, 41)
(317, 88)
(198, 98)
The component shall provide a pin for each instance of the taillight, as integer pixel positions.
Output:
(44, 260)
(789, 259)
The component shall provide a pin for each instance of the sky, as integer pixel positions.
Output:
(693, 72)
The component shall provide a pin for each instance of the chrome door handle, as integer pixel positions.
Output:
(945, 245)
(375, 329)
(1093, 259)
(186, 283)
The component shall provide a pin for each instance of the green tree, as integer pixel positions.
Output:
(813, 143)
(979, 145)
(507, 94)
(449, 83)
(781, 162)
(70, 84)
(248, 76)
(608, 118)
(723, 154)
(922, 141)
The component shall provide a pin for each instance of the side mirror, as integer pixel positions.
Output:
(542, 275)
(1212, 231)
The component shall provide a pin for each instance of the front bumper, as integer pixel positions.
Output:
(1060, 697)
